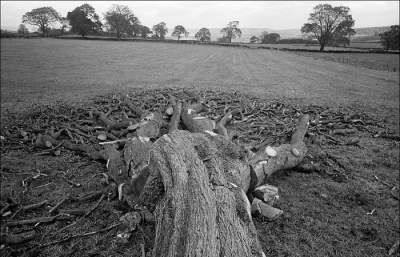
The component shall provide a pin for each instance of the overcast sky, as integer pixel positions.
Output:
(215, 14)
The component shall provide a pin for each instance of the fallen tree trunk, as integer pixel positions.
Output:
(202, 212)
(201, 207)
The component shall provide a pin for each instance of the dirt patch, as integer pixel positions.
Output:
(347, 206)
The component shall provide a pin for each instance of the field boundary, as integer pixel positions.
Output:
(242, 45)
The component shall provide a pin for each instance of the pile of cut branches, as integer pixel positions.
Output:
(244, 133)
(255, 122)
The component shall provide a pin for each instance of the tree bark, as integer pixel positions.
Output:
(203, 210)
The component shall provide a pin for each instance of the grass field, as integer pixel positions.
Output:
(308, 47)
(384, 62)
(39, 70)
(366, 44)
(349, 209)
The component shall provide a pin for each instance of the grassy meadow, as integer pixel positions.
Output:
(40, 70)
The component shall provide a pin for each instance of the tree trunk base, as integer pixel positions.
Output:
(203, 210)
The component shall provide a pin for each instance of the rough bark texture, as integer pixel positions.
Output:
(194, 122)
(221, 129)
(176, 116)
(150, 125)
(115, 164)
(136, 154)
(204, 210)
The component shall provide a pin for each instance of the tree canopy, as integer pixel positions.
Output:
(22, 29)
(179, 30)
(203, 35)
(41, 17)
(144, 31)
(390, 38)
(160, 30)
(327, 23)
(231, 31)
(254, 39)
(83, 20)
(270, 38)
(121, 19)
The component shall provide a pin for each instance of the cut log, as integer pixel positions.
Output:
(265, 210)
(271, 159)
(176, 117)
(344, 132)
(150, 126)
(194, 122)
(203, 209)
(47, 141)
(171, 103)
(220, 128)
(115, 164)
(121, 125)
(136, 154)
(267, 193)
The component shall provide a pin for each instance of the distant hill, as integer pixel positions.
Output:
(371, 31)
(11, 29)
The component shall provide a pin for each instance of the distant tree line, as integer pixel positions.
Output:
(327, 25)
(119, 21)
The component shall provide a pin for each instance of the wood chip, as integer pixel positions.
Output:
(102, 137)
(270, 151)
(265, 209)
(295, 152)
(211, 133)
(267, 193)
